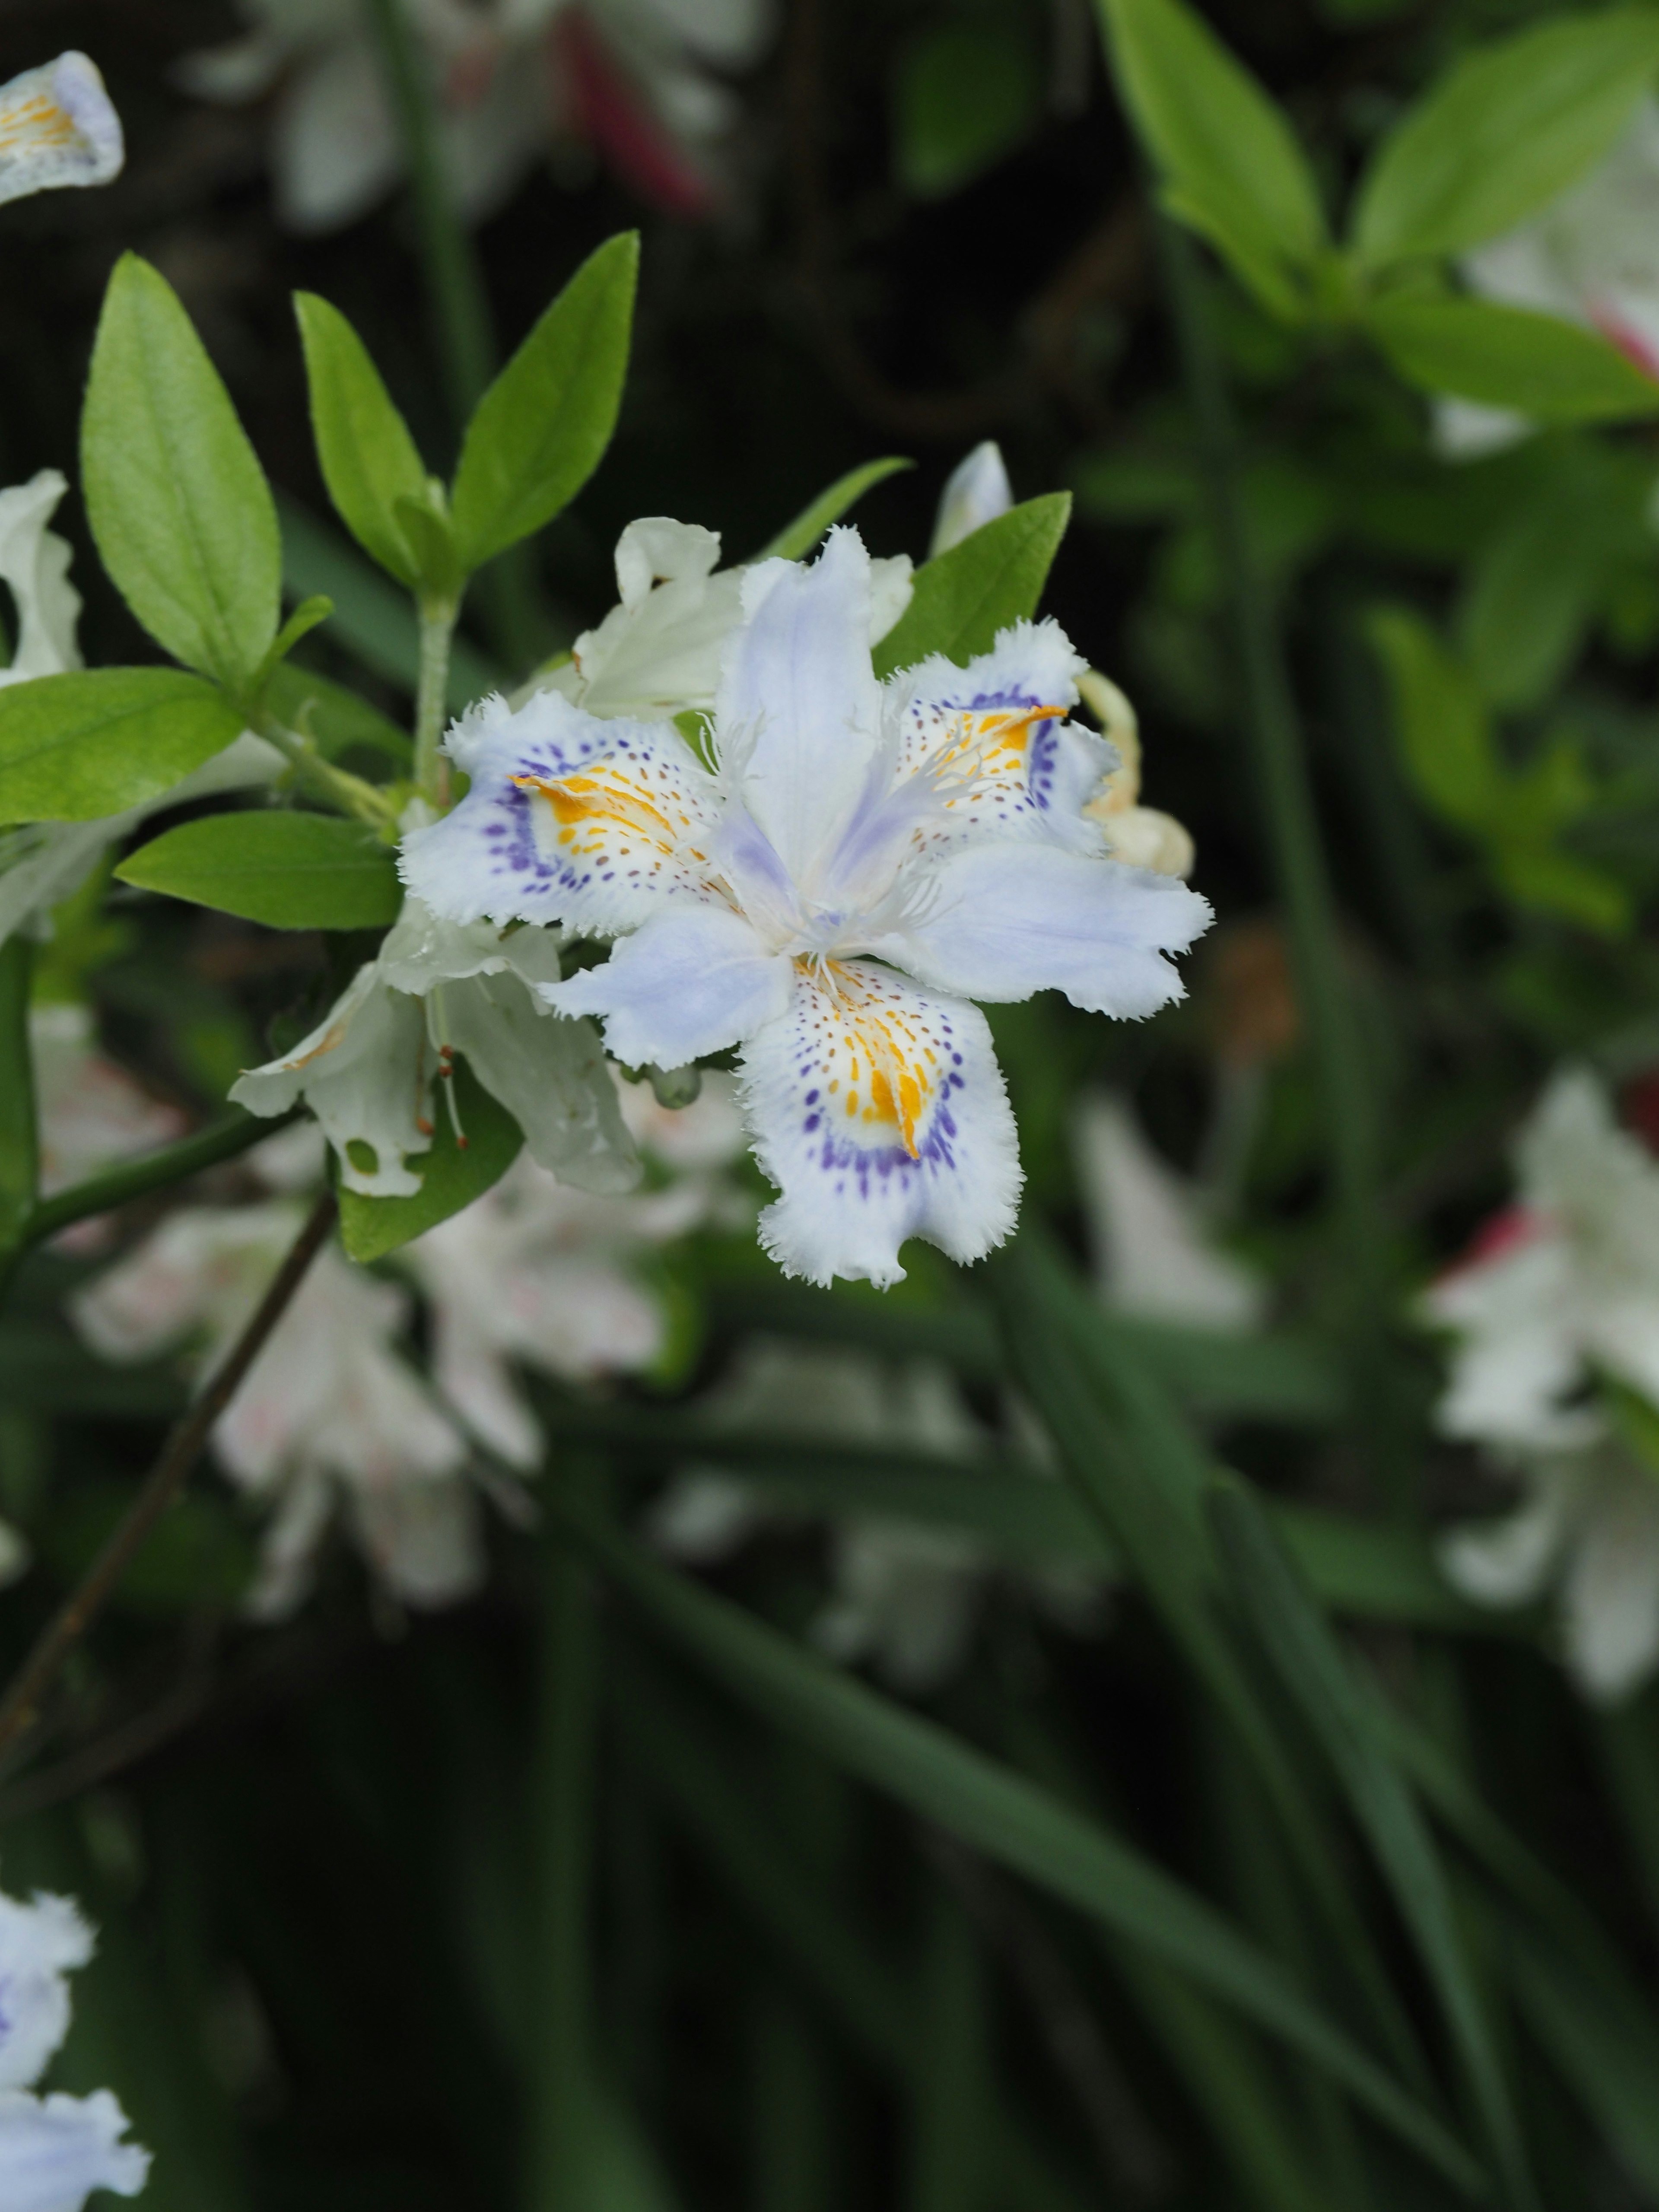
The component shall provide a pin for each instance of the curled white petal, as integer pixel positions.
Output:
(57, 127)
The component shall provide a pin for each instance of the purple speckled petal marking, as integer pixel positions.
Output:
(879, 1111)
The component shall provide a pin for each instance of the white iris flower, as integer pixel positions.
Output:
(863, 861)
(54, 2151)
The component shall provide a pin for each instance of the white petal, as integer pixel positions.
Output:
(551, 1074)
(703, 1518)
(1506, 1562)
(657, 549)
(798, 716)
(1610, 1599)
(892, 588)
(56, 2151)
(691, 981)
(570, 818)
(424, 1539)
(880, 1113)
(361, 1072)
(41, 1942)
(977, 491)
(1142, 837)
(906, 1596)
(57, 127)
(1464, 430)
(289, 1546)
(421, 948)
(35, 563)
(1151, 1252)
(335, 145)
(240, 69)
(90, 1110)
(1000, 922)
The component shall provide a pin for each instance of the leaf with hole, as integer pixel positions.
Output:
(453, 1174)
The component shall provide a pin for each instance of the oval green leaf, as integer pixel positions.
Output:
(290, 870)
(1547, 369)
(965, 597)
(541, 429)
(369, 461)
(797, 538)
(176, 498)
(95, 742)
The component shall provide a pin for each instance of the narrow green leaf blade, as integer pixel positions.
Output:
(175, 496)
(451, 1174)
(541, 429)
(797, 538)
(1503, 132)
(1226, 152)
(993, 577)
(1540, 366)
(1445, 733)
(1010, 1819)
(76, 748)
(290, 870)
(369, 461)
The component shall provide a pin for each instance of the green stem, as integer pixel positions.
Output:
(19, 1151)
(431, 704)
(1281, 764)
(224, 1140)
(351, 794)
(561, 2101)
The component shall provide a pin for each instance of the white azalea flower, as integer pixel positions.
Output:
(57, 127)
(1153, 1252)
(534, 1272)
(658, 652)
(976, 492)
(54, 2151)
(328, 1411)
(631, 76)
(367, 1070)
(1591, 257)
(43, 863)
(934, 823)
(1556, 1316)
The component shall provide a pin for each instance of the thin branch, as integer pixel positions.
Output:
(235, 1132)
(162, 1485)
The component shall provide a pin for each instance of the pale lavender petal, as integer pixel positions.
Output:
(690, 982)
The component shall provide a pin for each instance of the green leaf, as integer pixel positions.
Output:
(452, 1175)
(175, 496)
(19, 1144)
(290, 870)
(964, 95)
(369, 461)
(1503, 132)
(1010, 1820)
(797, 538)
(99, 740)
(432, 538)
(1318, 1677)
(541, 429)
(993, 577)
(1229, 159)
(1560, 883)
(1608, 2052)
(336, 718)
(1540, 366)
(1445, 732)
(372, 619)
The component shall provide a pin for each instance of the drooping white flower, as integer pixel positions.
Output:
(57, 127)
(863, 861)
(632, 77)
(658, 652)
(367, 1070)
(44, 863)
(329, 1413)
(54, 2151)
(1140, 836)
(1555, 1372)
(538, 1274)
(1153, 1252)
(1561, 1288)
(1591, 257)
(976, 492)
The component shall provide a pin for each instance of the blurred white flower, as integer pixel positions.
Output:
(328, 1413)
(512, 76)
(57, 127)
(435, 988)
(91, 1113)
(977, 491)
(536, 1272)
(658, 652)
(1154, 1255)
(43, 863)
(1591, 257)
(1140, 836)
(1555, 1372)
(54, 2151)
(1562, 1287)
